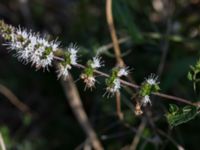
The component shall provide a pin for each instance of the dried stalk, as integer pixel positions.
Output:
(74, 101)
(113, 34)
(120, 61)
(138, 135)
(14, 100)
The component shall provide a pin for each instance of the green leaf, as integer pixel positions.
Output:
(177, 116)
(173, 108)
(189, 76)
(193, 74)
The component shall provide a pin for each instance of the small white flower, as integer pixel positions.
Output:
(63, 71)
(43, 42)
(122, 72)
(116, 84)
(25, 54)
(114, 87)
(96, 62)
(73, 49)
(35, 57)
(43, 52)
(18, 39)
(54, 45)
(23, 33)
(152, 79)
(73, 58)
(46, 62)
(88, 80)
(145, 100)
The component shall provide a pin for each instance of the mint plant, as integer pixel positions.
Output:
(42, 53)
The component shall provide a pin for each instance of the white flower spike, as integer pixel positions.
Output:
(30, 47)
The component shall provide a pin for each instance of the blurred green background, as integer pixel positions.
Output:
(153, 29)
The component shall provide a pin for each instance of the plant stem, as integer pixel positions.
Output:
(135, 86)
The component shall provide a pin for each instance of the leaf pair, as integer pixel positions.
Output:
(177, 115)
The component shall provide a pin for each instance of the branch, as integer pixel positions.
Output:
(118, 106)
(109, 18)
(117, 50)
(74, 101)
(137, 137)
(14, 100)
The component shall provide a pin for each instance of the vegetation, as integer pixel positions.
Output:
(130, 81)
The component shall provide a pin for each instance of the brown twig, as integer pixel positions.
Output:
(117, 51)
(118, 106)
(14, 100)
(113, 34)
(137, 137)
(178, 99)
(178, 146)
(75, 103)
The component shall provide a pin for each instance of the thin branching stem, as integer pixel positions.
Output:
(120, 62)
(135, 86)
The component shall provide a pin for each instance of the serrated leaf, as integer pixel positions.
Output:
(193, 74)
(173, 108)
(177, 116)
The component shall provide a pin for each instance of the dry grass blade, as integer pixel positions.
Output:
(2, 144)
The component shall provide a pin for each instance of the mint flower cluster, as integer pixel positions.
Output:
(31, 48)
(88, 73)
(69, 59)
(113, 82)
(149, 86)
